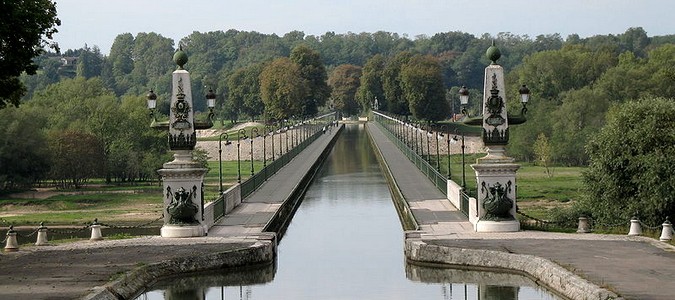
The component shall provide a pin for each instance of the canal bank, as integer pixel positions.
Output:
(119, 269)
(577, 266)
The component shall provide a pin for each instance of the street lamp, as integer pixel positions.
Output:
(454, 140)
(447, 145)
(270, 130)
(241, 135)
(257, 134)
(438, 154)
(464, 98)
(220, 158)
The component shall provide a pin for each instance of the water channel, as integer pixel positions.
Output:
(346, 242)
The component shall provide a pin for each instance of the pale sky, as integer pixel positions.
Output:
(98, 22)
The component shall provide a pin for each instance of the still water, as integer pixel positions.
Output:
(346, 242)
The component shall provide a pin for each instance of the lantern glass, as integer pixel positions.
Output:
(152, 103)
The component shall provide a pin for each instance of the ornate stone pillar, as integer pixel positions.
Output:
(182, 178)
(496, 172)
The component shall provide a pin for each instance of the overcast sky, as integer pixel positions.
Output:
(98, 22)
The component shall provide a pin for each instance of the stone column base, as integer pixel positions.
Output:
(178, 231)
(497, 226)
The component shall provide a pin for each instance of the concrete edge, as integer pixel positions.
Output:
(543, 271)
(131, 283)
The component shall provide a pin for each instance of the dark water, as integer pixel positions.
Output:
(346, 242)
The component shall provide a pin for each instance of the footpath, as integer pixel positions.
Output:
(116, 269)
(603, 266)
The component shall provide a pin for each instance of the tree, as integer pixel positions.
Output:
(344, 82)
(24, 158)
(370, 87)
(314, 74)
(422, 85)
(75, 157)
(244, 90)
(26, 28)
(391, 84)
(283, 89)
(543, 153)
(631, 163)
(581, 114)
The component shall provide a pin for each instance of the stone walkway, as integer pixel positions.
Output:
(633, 267)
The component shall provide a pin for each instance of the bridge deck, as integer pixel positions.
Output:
(432, 210)
(257, 210)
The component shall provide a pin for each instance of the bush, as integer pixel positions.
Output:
(631, 163)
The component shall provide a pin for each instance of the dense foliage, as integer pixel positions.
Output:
(26, 28)
(574, 81)
(630, 173)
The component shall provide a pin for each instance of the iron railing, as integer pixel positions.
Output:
(248, 186)
(388, 123)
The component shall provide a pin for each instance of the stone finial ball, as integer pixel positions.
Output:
(493, 53)
(180, 58)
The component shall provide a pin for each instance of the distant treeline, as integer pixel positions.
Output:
(80, 97)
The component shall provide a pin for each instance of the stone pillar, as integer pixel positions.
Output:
(182, 178)
(496, 172)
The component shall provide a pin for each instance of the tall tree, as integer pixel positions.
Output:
(391, 84)
(422, 84)
(75, 156)
(244, 88)
(370, 87)
(26, 28)
(314, 74)
(283, 89)
(344, 82)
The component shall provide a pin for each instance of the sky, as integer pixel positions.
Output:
(98, 22)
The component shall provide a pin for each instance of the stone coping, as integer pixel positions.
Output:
(542, 271)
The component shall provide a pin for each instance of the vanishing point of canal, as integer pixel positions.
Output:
(346, 242)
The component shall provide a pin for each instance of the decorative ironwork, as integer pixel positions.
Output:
(183, 141)
(497, 204)
(181, 110)
(181, 209)
(495, 105)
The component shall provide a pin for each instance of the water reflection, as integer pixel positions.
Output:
(346, 242)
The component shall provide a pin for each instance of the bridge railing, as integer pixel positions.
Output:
(391, 127)
(314, 129)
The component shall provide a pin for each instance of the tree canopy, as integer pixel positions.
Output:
(26, 28)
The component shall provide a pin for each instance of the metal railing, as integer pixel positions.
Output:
(464, 203)
(315, 127)
(386, 122)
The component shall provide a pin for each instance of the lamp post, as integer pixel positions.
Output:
(241, 135)
(270, 131)
(438, 154)
(182, 178)
(427, 133)
(220, 158)
(455, 139)
(257, 134)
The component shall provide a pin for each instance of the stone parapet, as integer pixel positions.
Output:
(541, 270)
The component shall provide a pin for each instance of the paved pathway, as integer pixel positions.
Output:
(432, 211)
(633, 267)
(257, 210)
